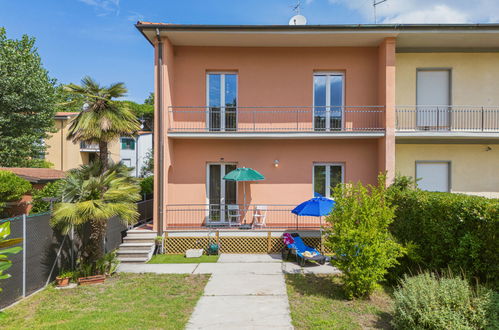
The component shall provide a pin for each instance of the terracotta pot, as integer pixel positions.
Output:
(62, 281)
(91, 279)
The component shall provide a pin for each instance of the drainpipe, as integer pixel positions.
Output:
(159, 131)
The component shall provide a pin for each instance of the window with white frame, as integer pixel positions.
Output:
(326, 176)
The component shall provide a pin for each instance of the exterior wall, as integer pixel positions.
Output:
(474, 76)
(65, 154)
(290, 183)
(473, 168)
(138, 156)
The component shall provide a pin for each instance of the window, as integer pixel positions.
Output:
(328, 101)
(221, 101)
(127, 144)
(433, 90)
(433, 175)
(127, 162)
(326, 177)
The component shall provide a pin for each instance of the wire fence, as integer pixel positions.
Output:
(46, 252)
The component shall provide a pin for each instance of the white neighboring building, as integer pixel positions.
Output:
(134, 151)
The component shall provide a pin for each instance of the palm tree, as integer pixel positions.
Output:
(92, 196)
(101, 120)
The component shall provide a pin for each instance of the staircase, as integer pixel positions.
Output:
(138, 246)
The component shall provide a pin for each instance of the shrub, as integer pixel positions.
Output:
(445, 230)
(52, 189)
(360, 238)
(12, 187)
(430, 302)
(147, 185)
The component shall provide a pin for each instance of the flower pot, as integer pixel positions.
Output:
(62, 281)
(91, 279)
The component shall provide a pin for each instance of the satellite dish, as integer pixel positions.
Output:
(298, 20)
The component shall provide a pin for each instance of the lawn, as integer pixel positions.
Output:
(180, 259)
(124, 301)
(318, 302)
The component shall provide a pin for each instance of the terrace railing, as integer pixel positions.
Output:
(447, 118)
(89, 147)
(207, 216)
(277, 119)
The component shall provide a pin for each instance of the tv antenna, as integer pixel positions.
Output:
(375, 3)
(298, 19)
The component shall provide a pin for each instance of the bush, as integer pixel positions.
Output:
(147, 186)
(52, 189)
(429, 302)
(12, 188)
(360, 238)
(445, 230)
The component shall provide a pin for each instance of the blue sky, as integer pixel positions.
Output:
(98, 38)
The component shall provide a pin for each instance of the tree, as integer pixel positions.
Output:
(150, 99)
(102, 120)
(27, 102)
(12, 188)
(360, 238)
(144, 112)
(93, 196)
(8, 248)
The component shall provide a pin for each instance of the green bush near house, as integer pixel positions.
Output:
(147, 185)
(360, 238)
(12, 188)
(50, 190)
(445, 230)
(426, 301)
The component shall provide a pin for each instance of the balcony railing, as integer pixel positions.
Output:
(207, 216)
(447, 118)
(276, 119)
(89, 147)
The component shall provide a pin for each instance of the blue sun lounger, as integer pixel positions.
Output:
(293, 245)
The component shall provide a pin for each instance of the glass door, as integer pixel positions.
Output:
(328, 101)
(433, 99)
(220, 192)
(326, 177)
(222, 101)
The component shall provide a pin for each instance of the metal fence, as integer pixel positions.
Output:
(447, 118)
(208, 216)
(45, 251)
(277, 119)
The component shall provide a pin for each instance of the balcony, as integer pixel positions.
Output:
(89, 147)
(458, 121)
(276, 121)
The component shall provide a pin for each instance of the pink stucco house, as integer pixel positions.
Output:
(306, 106)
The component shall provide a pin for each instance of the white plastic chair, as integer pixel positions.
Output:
(233, 215)
(259, 216)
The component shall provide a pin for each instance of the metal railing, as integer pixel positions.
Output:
(208, 216)
(92, 147)
(277, 119)
(447, 118)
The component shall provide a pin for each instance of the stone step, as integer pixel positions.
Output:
(138, 239)
(133, 260)
(137, 246)
(145, 233)
(134, 254)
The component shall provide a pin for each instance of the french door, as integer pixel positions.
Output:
(220, 192)
(433, 98)
(221, 101)
(328, 101)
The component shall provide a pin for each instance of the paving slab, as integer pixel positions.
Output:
(241, 312)
(262, 268)
(255, 285)
(157, 268)
(321, 269)
(251, 258)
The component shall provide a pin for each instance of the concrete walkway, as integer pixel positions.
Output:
(244, 291)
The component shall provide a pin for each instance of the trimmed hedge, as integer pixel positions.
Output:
(446, 230)
(51, 189)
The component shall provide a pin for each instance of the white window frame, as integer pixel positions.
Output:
(328, 176)
(449, 170)
(222, 97)
(222, 191)
(328, 75)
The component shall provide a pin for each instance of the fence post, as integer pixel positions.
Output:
(24, 255)
(269, 241)
(482, 119)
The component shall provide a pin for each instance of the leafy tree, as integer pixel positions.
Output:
(12, 188)
(150, 99)
(360, 238)
(51, 189)
(148, 168)
(67, 101)
(8, 248)
(102, 120)
(144, 112)
(27, 102)
(91, 196)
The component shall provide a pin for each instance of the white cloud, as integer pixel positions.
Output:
(426, 11)
(104, 7)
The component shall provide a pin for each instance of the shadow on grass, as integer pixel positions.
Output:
(317, 285)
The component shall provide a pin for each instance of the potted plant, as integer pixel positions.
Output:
(63, 278)
(159, 245)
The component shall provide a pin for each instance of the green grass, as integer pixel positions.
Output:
(125, 301)
(180, 259)
(318, 302)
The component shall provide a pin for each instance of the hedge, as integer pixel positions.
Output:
(446, 230)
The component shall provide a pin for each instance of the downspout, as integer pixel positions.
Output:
(160, 135)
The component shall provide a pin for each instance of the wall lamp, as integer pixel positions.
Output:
(276, 163)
